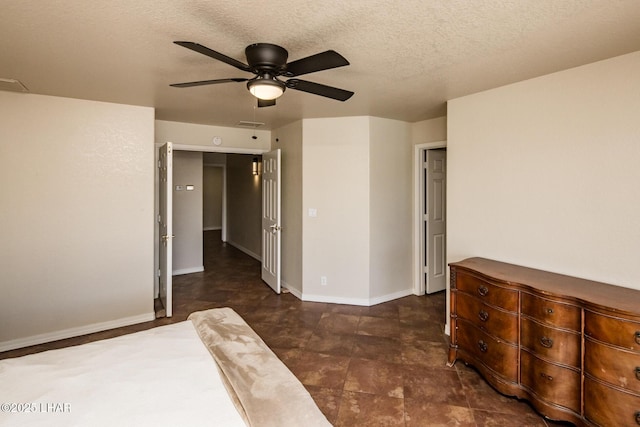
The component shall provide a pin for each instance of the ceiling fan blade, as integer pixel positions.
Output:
(318, 62)
(207, 82)
(266, 102)
(215, 55)
(318, 89)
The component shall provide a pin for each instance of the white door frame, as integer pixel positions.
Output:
(165, 228)
(418, 194)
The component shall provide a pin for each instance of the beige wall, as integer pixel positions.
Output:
(76, 216)
(187, 212)
(432, 130)
(234, 140)
(544, 173)
(357, 176)
(390, 202)
(335, 175)
(289, 140)
(244, 205)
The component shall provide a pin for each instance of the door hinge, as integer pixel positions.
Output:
(159, 164)
(159, 273)
(159, 218)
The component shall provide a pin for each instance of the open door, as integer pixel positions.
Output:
(271, 221)
(165, 219)
(435, 220)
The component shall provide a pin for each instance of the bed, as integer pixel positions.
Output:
(211, 369)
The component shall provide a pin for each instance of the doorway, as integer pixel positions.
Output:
(188, 148)
(232, 200)
(244, 172)
(430, 268)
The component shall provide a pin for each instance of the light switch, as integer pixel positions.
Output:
(313, 212)
(179, 187)
(190, 187)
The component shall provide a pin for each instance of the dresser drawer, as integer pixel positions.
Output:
(554, 313)
(615, 366)
(620, 332)
(560, 346)
(492, 294)
(502, 323)
(550, 382)
(609, 407)
(494, 353)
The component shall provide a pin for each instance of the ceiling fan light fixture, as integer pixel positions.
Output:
(266, 89)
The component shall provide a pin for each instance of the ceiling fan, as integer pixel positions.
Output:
(269, 62)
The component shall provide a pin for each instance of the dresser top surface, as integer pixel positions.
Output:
(615, 298)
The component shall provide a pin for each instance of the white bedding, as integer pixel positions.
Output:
(160, 377)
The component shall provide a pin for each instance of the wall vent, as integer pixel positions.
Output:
(247, 124)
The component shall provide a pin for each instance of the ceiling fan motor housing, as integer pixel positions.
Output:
(266, 57)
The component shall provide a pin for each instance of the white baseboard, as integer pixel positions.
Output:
(335, 300)
(188, 270)
(75, 332)
(367, 302)
(211, 228)
(390, 297)
(245, 250)
(295, 292)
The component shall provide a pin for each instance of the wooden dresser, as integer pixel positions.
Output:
(570, 346)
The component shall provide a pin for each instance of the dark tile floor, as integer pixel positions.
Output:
(365, 366)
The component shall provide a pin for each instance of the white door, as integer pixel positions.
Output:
(434, 211)
(271, 221)
(165, 220)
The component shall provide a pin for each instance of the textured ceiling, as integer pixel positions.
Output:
(407, 57)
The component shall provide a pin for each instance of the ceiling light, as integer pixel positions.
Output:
(266, 88)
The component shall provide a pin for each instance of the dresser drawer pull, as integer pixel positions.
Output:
(546, 342)
(638, 373)
(483, 346)
(638, 337)
(549, 310)
(483, 291)
(483, 315)
(638, 417)
(546, 377)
